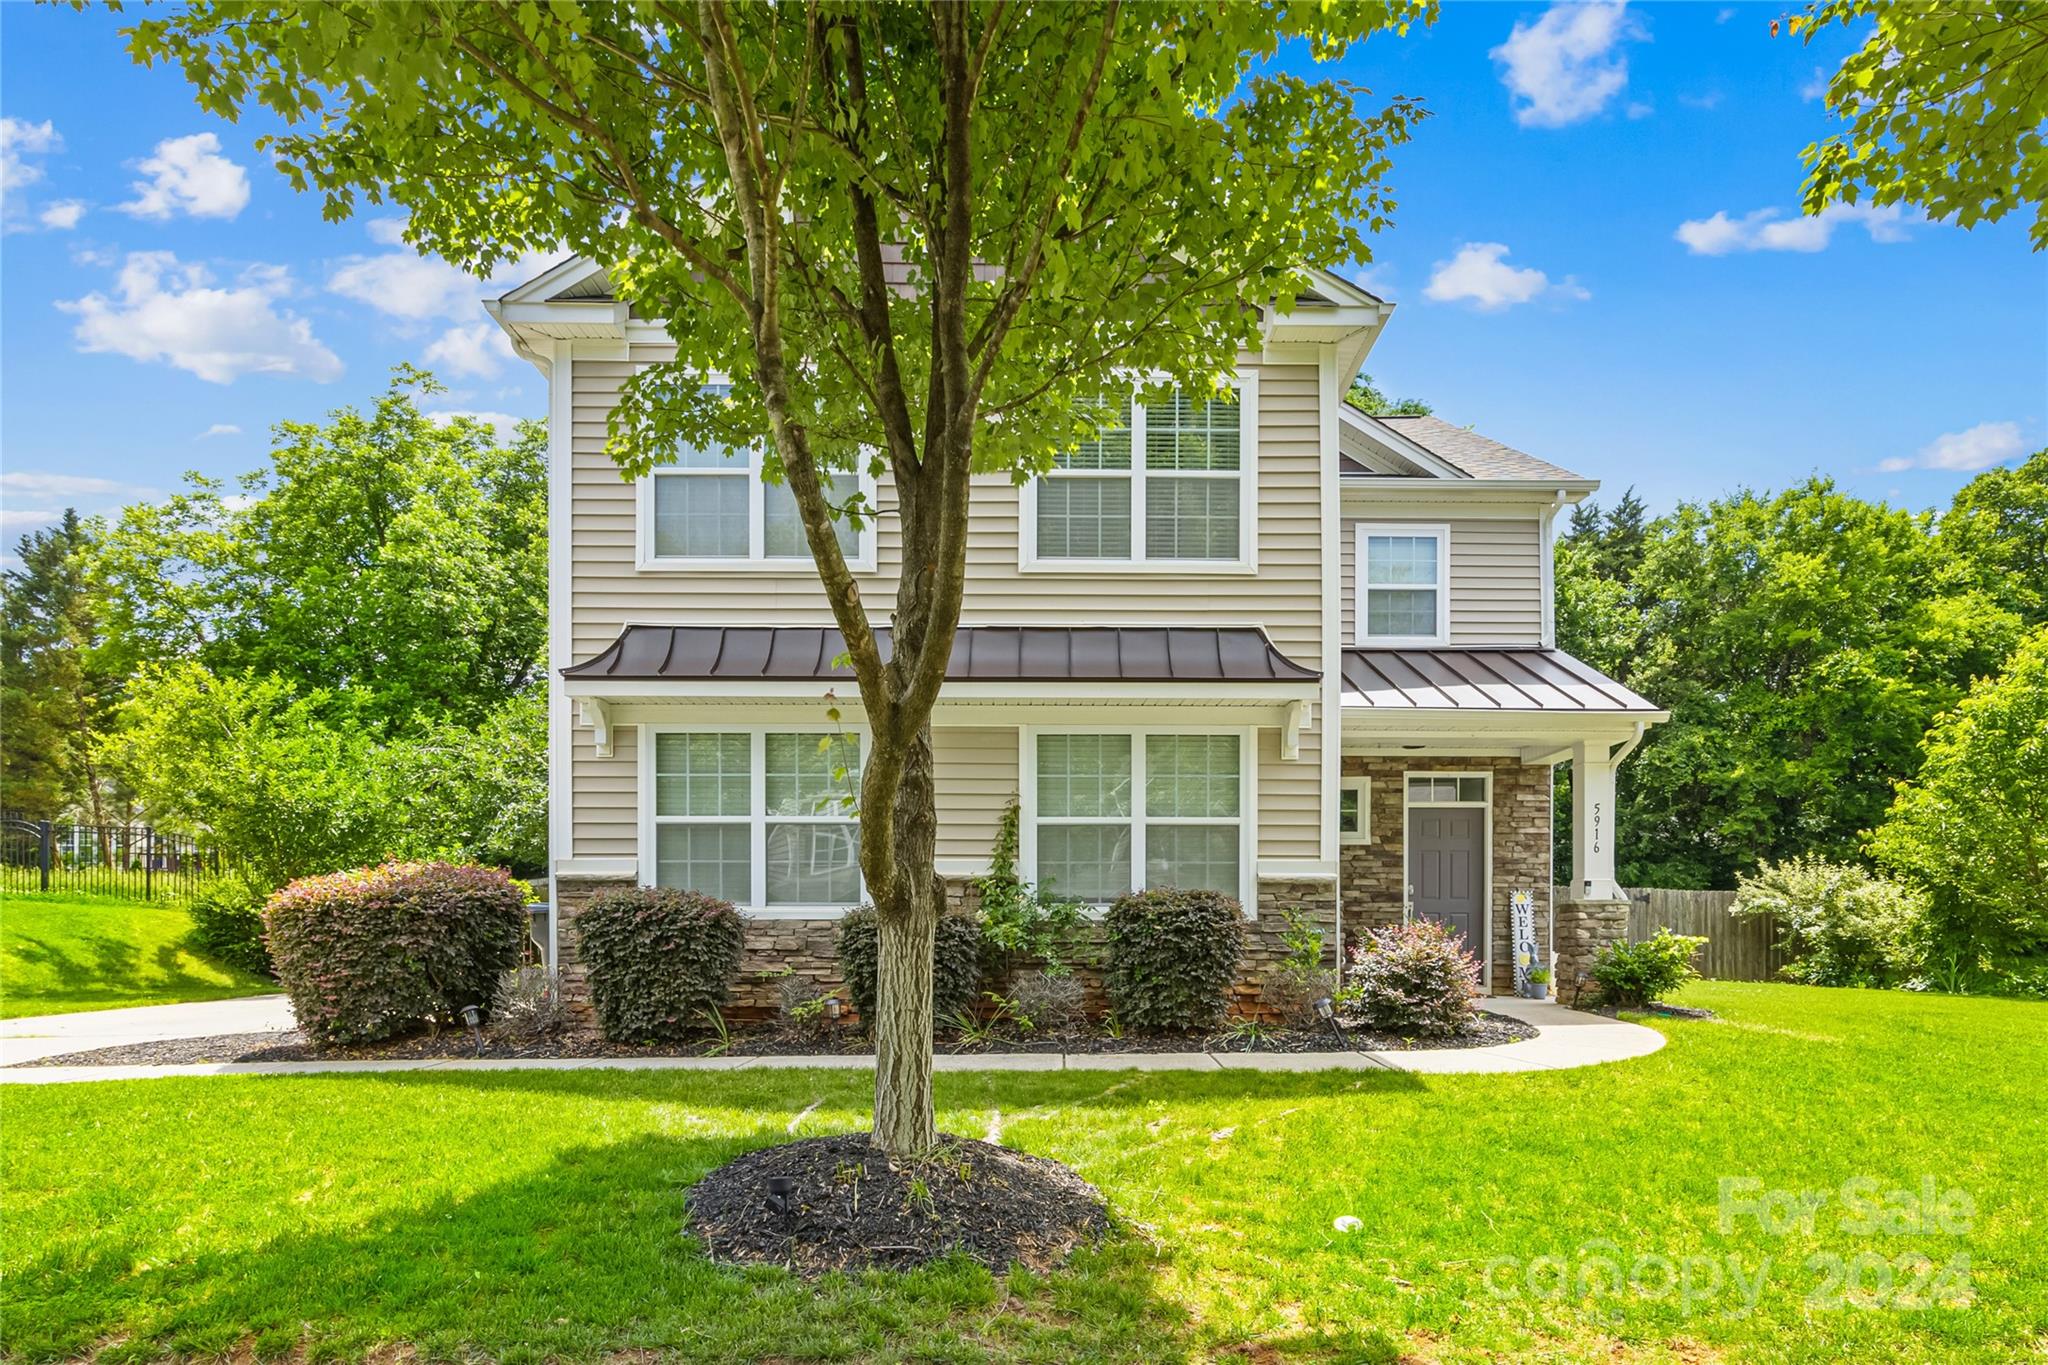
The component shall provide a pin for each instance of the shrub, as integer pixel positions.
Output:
(1845, 926)
(804, 1008)
(660, 961)
(956, 963)
(1290, 990)
(1416, 979)
(1048, 1002)
(530, 1004)
(1172, 956)
(227, 924)
(1019, 924)
(1634, 974)
(372, 953)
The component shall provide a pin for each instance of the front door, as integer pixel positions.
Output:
(1447, 870)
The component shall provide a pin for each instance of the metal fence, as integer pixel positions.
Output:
(133, 862)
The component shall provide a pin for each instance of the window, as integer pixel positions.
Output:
(1452, 790)
(759, 818)
(1171, 487)
(1403, 584)
(1114, 811)
(1354, 811)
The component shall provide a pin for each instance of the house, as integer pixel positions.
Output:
(1309, 660)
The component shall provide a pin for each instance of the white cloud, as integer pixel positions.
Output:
(218, 429)
(478, 352)
(386, 231)
(1770, 230)
(1478, 274)
(1964, 452)
(1709, 100)
(1566, 67)
(412, 287)
(62, 214)
(1724, 14)
(188, 175)
(502, 424)
(1640, 109)
(19, 140)
(1816, 86)
(36, 483)
(172, 313)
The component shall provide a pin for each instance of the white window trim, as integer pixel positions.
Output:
(1441, 532)
(1247, 799)
(756, 559)
(1408, 804)
(757, 817)
(1363, 834)
(1028, 560)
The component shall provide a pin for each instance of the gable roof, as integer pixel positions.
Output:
(1440, 448)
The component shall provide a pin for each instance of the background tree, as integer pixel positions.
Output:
(1972, 826)
(924, 240)
(1945, 102)
(58, 684)
(1995, 534)
(389, 556)
(1367, 398)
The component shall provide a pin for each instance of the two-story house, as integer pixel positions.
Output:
(1271, 645)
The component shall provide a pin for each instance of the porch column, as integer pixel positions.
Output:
(1594, 912)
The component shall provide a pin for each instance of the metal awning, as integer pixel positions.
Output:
(1481, 681)
(1005, 654)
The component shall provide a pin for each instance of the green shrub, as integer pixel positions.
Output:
(1020, 925)
(956, 963)
(1845, 926)
(660, 961)
(375, 952)
(227, 924)
(1290, 990)
(1172, 957)
(1414, 980)
(1633, 974)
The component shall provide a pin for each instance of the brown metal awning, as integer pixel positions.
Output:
(1181, 654)
(1482, 680)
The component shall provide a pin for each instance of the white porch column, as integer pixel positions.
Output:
(1593, 822)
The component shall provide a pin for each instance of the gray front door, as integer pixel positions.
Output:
(1447, 870)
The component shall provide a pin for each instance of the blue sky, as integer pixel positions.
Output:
(1596, 258)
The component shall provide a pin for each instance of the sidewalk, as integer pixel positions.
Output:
(1565, 1039)
(46, 1035)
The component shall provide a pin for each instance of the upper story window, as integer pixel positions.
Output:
(1403, 585)
(1174, 487)
(712, 508)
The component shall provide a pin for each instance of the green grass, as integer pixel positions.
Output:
(536, 1216)
(61, 954)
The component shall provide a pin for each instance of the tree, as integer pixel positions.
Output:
(1996, 534)
(1367, 398)
(1945, 102)
(1972, 826)
(57, 687)
(388, 556)
(922, 240)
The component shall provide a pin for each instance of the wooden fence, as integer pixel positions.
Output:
(1744, 949)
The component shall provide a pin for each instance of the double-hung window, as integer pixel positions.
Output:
(713, 508)
(1116, 811)
(1403, 585)
(761, 818)
(1172, 486)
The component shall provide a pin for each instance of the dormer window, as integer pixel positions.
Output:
(1171, 488)
(1403, 585)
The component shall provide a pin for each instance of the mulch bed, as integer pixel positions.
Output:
(853, 1209)
(1491, 1030)
(1656, 1009)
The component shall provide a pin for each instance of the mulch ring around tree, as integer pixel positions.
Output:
(851, 1208)
(1486, 1030)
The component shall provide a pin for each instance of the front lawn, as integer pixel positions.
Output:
(61, 954)
(538, 1215)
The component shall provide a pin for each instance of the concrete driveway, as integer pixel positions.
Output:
(46, 1035)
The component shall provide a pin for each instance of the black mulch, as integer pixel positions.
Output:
(1491, 1030)
(853, 1209)
(1656, 1009)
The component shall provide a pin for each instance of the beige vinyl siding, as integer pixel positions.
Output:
(607, 590)
(1496, 579)
(605, 799)
(975, 771)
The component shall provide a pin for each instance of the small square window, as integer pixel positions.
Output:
(1354, 811)
(1471, 789)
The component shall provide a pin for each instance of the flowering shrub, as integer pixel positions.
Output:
(956, 963)
(660, 961)
(372, 953)
(1172, 956)
(1844, 925)
(1634, 974)
(1414, 980)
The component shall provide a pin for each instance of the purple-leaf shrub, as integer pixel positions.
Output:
(1416, 980)
(377, 951)
(660, 961)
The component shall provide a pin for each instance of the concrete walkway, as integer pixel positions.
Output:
(1565, 1039)
(47, 1035)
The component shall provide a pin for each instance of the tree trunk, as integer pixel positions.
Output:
(908, 927)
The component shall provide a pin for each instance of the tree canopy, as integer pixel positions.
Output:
(59, 678)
